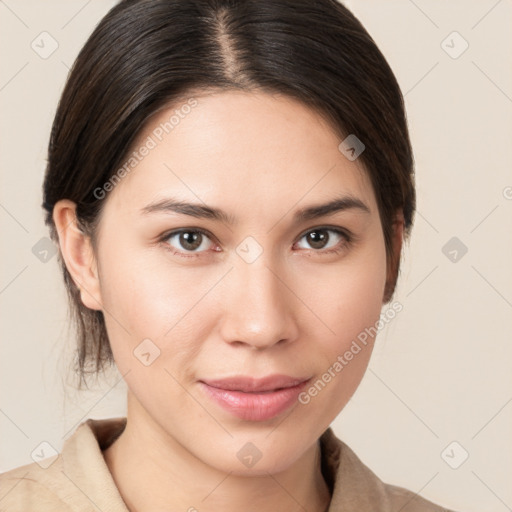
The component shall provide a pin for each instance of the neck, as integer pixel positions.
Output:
(153, 471)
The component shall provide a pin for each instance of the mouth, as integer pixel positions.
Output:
(254, 399)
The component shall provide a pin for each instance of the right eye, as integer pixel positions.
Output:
(187, 241)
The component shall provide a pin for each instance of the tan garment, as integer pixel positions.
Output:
(79, 479)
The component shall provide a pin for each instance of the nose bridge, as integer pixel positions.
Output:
(259, 312)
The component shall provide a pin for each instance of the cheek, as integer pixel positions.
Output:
(360, 294)
(350, 306)
(349, 297)
(145, 297)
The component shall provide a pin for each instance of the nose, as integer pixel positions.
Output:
(259, 310)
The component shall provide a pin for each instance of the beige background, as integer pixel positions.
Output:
(441, 369)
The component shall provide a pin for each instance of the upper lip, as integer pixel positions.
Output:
(253, 385)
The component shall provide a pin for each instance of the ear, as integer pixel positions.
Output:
(78, 254)
(393, 263)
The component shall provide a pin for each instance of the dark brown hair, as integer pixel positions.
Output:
(147, 54)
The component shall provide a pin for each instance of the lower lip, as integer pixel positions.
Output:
(254, 406)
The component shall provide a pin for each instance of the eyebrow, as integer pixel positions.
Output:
(201, 211)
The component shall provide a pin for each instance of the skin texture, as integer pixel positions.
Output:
(212, 314)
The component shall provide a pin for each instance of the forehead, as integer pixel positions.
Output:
(249, 149)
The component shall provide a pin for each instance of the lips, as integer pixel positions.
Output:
(254, 399)
(252, 385)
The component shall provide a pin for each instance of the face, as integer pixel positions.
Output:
(222, 281)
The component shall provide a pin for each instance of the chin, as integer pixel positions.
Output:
(254, 454)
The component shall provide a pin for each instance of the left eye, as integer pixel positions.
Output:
(320, 238)
(190, 240)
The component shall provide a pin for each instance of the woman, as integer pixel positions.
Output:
(229, 183)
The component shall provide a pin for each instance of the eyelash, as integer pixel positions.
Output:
(347, 239)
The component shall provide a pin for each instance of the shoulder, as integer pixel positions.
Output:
(407, 501)
(75, 479)
(355, 487)
(32, 487)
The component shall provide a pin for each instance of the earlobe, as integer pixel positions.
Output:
(78, 253)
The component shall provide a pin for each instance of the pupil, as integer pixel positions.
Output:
(189, 240)
(317, 239)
